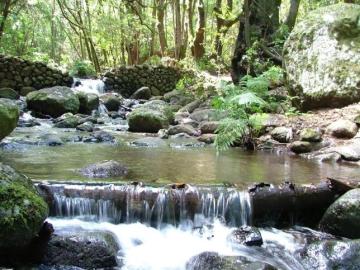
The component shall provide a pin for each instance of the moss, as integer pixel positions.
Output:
(9, 116)
(22, 210)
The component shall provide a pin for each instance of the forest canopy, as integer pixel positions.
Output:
(108, 33)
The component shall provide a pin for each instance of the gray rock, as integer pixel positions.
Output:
(53, 101)
(207, 138)
(246, 235)
(87, 126)
(50, 140)
(183, 129)
(150, 117)
(142, 93)
(67, 120)
(99, 136)
(331, 254)
(207, 115)
(344, 129)
(88, 252)
(349, 152)
(111, 101)
(189, 108)
(300, 147)
(310, 135)
(88, 102)
(342, 218)
(104, 169)
(322, 55)
(209, 127)
(282, 134)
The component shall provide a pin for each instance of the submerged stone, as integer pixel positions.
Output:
(104, 169)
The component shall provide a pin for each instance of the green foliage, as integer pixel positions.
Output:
(82, 69)
(185, 82)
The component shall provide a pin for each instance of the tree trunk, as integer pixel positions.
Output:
(178, 32)
(5, 10)
(161, 7)
(198, 48)
(292, 14)
(260, 21)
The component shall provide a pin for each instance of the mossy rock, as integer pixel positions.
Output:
(342, 218)
(8, 93)
(53, 101)
(88, 102)
(150, 117)
(322, 56)
(22, 210)
(9, 116)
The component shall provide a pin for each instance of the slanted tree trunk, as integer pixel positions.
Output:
(198, 47)
(5, 8)
(292, 14)
(161, 7)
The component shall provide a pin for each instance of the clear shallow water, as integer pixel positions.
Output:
(167, 164)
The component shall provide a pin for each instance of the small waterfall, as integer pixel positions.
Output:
(152, 206)
(91, 86)
(103, 110)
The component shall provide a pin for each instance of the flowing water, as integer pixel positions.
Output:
(187, 222)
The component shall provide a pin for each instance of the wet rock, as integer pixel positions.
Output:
(300, 147)
(22, 211)
(104, 169)
(163, 134)
(50, 140)
(32, 122)
(321, 57)
(203, 115)
(189, 108)
(183, 129)
(142, 93)
(344, 129)
(9, 116)
(282, 134)
(57, 267)
(87, 126)
(8, 93)
(327, 157)
(150, 117)
(99, 136)
(53, 101)
(88, 102)
(214, 261)
(246, 235)
(148, 142)
(26, 90)
(342, 218)
(209, 127)
(310, 135)
(331, 254)
(111, 101)
(349, 152)
(67, 120)
(207, 138)
(80, 251)
(176, 97)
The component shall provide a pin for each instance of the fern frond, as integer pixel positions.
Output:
(230, 131)
(248, 99)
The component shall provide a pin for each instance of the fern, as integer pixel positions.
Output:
(229, 131)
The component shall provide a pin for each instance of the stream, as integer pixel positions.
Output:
(157, 227)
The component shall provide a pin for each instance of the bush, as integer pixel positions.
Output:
(82, 69)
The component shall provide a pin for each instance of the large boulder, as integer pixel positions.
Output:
(332, 254)
(22, 210)
(53, 101)
(322, 56)
(112, 101)
(9, 116)
(342, 128)
(88, 102)
(86, 251)
(150, 117)
(342, 218)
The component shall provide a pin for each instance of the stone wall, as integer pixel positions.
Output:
(20, 74)
(126, 80)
